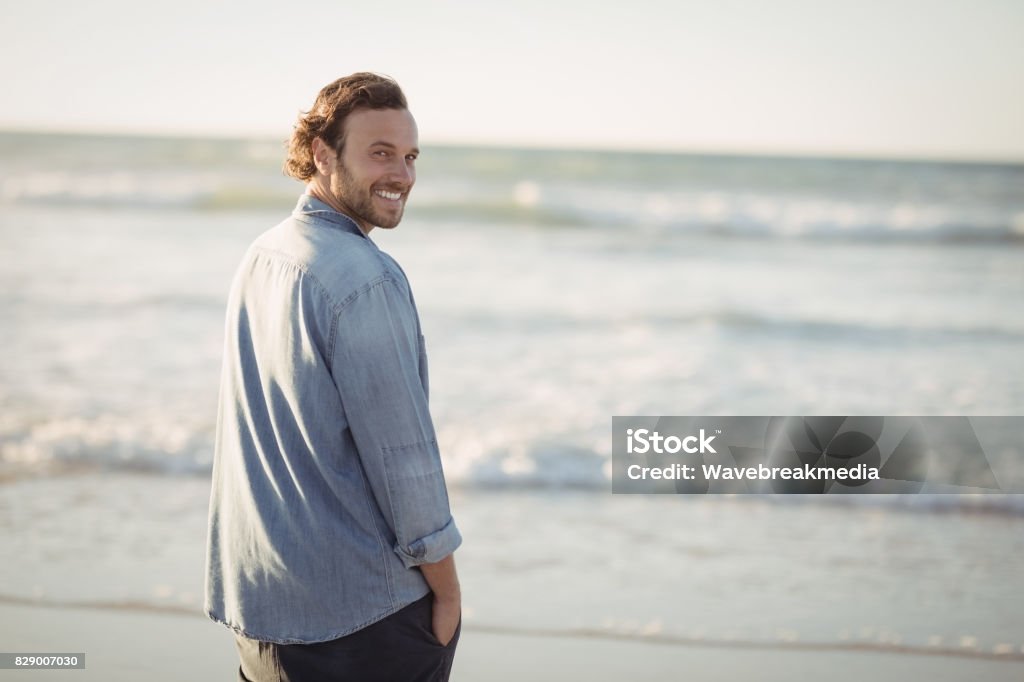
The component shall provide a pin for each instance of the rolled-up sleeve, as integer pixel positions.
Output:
(377, 367)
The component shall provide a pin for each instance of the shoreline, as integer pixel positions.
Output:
(587, 586)
(131, 644)
(785, 642)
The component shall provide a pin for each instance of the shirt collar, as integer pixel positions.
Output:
(312, 208)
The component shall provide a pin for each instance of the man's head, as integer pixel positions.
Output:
(357, 149)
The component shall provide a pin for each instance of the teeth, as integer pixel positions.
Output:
(393, 196)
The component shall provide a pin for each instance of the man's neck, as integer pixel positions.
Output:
(314, 190)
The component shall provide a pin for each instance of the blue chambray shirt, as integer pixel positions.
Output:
(327, 488)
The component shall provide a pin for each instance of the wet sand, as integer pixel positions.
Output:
(558, 585)
(133, 645)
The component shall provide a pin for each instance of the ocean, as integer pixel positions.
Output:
(557, 288)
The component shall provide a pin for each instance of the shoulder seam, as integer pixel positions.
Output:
(368, 287)
(336, 306)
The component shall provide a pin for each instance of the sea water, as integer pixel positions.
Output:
(557, 288)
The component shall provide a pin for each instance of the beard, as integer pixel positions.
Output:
(359, 201)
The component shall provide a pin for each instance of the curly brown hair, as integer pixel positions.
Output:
(326, 119)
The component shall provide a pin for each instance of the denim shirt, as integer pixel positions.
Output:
(328, 491)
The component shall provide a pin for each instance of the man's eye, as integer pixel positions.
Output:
(411, 157)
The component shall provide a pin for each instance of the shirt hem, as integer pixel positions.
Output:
(316, 639)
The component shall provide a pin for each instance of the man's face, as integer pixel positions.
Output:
(377, 169)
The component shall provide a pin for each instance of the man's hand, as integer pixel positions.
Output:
(446, 619)
(444, 583)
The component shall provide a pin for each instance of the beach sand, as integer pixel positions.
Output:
(558, 585)
(133, 646)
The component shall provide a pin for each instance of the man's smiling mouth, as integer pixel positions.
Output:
(391, 196)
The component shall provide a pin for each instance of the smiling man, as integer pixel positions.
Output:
(330, 550)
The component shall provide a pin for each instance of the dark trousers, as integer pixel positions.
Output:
(400, 648)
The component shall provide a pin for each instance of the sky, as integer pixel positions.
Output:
(883, 78)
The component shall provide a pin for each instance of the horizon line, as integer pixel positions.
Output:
(469, 143)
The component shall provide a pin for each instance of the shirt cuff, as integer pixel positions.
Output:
(431, 548)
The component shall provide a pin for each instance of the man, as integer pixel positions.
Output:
(331, 540)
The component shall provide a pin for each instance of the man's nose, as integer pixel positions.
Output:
(404, 173)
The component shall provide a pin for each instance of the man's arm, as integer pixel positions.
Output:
(444, 583)
(375, 365)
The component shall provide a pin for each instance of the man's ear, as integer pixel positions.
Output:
(323, 156)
